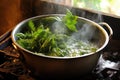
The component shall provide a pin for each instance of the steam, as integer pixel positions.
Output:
(59, 28)
(85, 33)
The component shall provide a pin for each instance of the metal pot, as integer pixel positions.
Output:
(42, 65)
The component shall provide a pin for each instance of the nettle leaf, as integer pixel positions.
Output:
(31, 25)
(70, 21)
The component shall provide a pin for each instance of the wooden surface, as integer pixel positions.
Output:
(12, 12)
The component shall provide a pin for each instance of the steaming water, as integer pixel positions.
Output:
(79, 42)
(76, 50)
(85, 33)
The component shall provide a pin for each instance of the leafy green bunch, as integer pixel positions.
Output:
(41, 39)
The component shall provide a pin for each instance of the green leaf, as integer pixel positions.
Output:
(31, 25)
(20, 35)
(70, 21)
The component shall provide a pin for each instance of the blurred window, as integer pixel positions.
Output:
(107, 6)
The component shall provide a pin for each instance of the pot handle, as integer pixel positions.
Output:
(21, 57)
(108, 28)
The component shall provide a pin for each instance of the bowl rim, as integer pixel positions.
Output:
(55, 57)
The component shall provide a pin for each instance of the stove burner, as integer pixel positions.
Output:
(108, 69)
